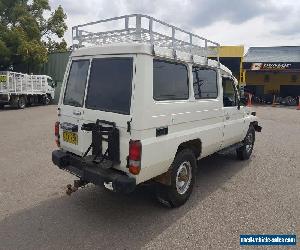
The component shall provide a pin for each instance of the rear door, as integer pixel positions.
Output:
(109, 95)
(71, 108)
(100, 89)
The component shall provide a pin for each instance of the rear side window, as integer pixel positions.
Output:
(205, 83)
(170, 81)
(110, 85)
(75, 87)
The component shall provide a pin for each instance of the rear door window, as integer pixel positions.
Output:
(170, 81)
(75, 87)
(110, 85)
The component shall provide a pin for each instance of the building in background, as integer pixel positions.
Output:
(272, 71)
(232, 58)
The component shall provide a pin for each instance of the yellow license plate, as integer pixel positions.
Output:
(3, 78)
(70, 137)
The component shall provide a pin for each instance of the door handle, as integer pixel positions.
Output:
(162, 131)
(227, 117)
(76, 112)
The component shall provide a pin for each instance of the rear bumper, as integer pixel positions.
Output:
(91, 172)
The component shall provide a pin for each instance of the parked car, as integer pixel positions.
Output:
(145, 109)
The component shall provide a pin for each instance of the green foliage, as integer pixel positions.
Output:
(26, 36)
(54, 46)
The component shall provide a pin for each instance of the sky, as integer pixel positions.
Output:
(228, 22)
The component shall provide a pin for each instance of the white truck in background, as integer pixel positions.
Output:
(21, 90)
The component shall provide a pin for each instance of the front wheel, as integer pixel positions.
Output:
(46, 100)
(182, 174)
(21, 102)
(244, 152)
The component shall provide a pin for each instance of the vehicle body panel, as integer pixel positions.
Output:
(201, 119)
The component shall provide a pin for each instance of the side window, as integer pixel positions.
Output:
(170, 81)
(204, 83)
(229, 93)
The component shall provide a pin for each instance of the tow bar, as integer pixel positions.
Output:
(77, 184)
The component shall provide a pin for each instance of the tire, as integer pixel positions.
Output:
(292, 101)
(244, 152)
(22, 102)
(1, 106)
(183, 166)
(30, 101)
(36, 100)
(46, 100)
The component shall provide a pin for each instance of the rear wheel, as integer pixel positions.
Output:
(46, 100)
(182, 174)
(36, 100)
(21, 102)
(244, 152)
(30, 100)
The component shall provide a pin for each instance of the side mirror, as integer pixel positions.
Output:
(228, 102)
(54, 84)
(243, 101)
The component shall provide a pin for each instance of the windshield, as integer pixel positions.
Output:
(50, 82)
(75, 88)
(110, 83)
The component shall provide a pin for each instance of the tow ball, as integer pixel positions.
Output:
(77, 184)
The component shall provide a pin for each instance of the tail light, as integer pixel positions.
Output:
(135, 156)
(56, 133)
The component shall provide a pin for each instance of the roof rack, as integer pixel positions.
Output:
(141, 28)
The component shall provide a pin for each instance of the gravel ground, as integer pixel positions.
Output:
(259, 196)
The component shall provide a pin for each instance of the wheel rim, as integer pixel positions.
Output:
(22, 102)
(249, 142)
(183, 177)
(47, 101)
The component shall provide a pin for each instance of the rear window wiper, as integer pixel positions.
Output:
(167, 96)
(170, 97)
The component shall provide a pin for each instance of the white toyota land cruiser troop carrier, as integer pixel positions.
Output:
(143, 102)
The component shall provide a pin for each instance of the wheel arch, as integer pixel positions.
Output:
(195, 145)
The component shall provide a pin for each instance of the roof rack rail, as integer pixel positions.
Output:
(143, 29)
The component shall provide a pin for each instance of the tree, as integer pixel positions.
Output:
(26, 36)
